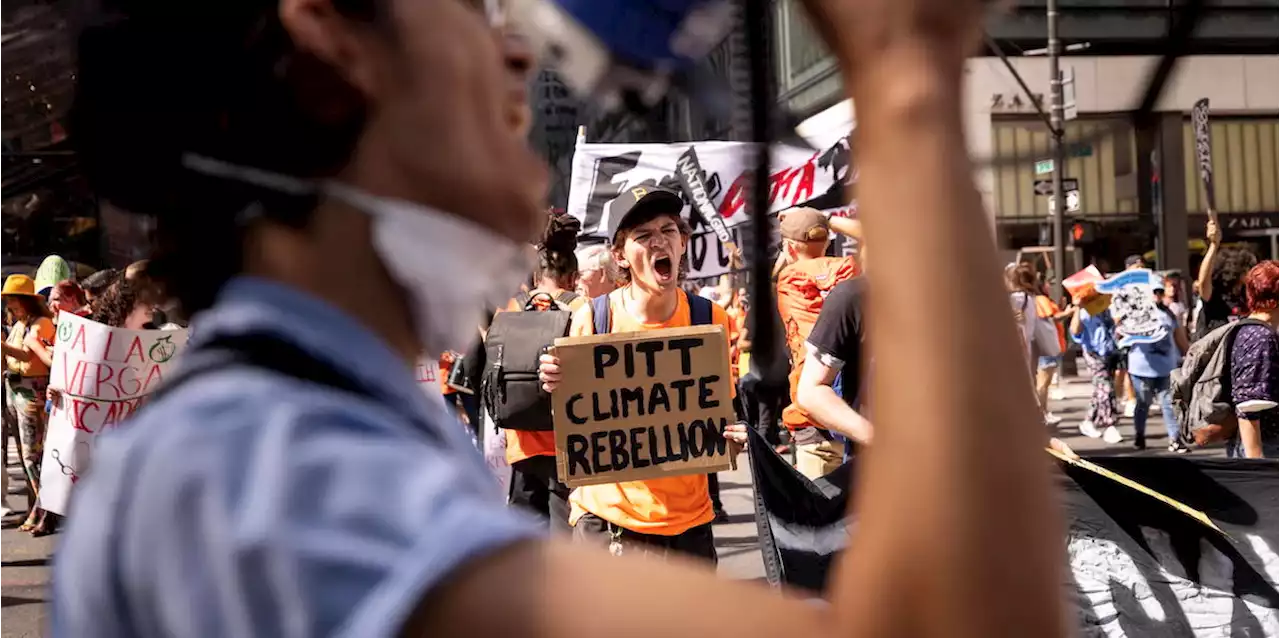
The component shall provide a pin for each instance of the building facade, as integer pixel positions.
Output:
(1139, 189)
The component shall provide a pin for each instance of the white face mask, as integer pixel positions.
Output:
(452, 269)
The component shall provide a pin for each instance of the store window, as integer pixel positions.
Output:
(1244, 165)
(1100, 155)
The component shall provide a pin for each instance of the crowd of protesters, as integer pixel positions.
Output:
(124, 299)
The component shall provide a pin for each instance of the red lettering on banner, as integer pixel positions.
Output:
(733, 200)
(154, 377)
(103, 375)
(79, 340)
(87, 415)
(136, 346)
(79, 410)
(426, 373)
(127, 383)
(106, 349)
(780, 188)
(804, 190)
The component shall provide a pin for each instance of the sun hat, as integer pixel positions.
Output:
(21, 285)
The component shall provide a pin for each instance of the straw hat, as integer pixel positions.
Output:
(19, 285)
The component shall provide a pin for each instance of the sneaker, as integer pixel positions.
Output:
(1051, 418)
(1140, 444)
(1178, 448)
(1112, 435)
(1129, 408)
(1088, 429)
(721, 516)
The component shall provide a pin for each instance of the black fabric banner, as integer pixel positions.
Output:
(1138, 566)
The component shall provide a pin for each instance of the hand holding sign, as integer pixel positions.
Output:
(1212, 231)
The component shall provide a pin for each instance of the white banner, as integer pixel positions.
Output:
(104, 374)
(800, 177)
(427, 373)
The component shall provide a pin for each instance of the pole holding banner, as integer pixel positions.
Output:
(1204, 153)
(689, 171)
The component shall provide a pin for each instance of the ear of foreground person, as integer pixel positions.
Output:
(955, 470)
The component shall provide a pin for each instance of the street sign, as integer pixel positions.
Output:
(1044, 167)
(1045, 186)
(1073, 202)
(1069, 109)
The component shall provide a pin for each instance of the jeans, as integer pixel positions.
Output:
(1145, 390)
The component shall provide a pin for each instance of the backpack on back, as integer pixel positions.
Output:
(1201, 388)
(510, 386)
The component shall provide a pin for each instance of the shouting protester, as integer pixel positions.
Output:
(656, 516)
(369, 192)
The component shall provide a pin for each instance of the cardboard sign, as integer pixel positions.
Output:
(105, 374)
(642, 405)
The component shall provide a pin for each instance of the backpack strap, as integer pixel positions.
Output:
(522, 299)
(567, 297)
(601, 314)
(700, 311)
(261, 351)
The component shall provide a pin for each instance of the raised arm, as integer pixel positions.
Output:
(1204, 279)
(966, 445)
(965, 449)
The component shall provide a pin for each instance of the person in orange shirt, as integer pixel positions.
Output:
(1046, 366)
(802, 288)
(657, 516)
(28, 355)
(532, 454)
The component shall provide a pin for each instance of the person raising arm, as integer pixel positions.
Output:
(975, 469)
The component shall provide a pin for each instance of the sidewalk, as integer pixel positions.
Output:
(24, 568)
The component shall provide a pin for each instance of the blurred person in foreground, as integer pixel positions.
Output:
(343, 181)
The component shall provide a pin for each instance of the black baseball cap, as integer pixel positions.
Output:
(641, 203)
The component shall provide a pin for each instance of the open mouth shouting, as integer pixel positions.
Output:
(664, 269)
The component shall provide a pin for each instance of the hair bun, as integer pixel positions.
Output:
(561, 234)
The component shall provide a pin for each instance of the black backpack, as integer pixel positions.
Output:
(510, 387)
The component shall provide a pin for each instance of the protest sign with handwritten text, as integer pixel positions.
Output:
(642, 405)
(104, 375)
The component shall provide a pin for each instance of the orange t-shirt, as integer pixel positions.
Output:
(1046, 309)
(446, 363)
(802, 289)
(737, 320)
(525, 444)
(665, 506)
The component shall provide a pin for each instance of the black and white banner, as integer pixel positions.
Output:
(1138, 567)
(800, 177)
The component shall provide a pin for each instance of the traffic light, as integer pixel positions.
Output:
(1081, 232)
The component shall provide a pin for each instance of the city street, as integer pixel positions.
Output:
(26, 560)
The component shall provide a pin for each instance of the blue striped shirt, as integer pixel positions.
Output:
(248, 503)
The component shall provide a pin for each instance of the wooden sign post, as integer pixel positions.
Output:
(642, 405)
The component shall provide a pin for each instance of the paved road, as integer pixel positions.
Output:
(24, 575)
